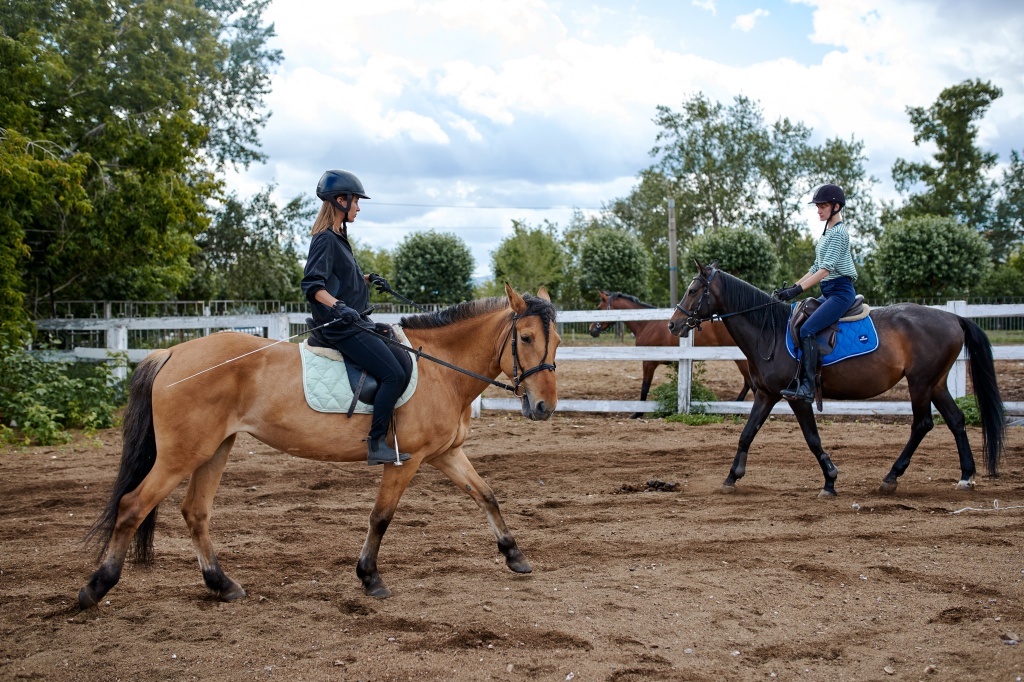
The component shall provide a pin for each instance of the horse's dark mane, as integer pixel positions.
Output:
(743, 295)
(631, 298)
(470, 309)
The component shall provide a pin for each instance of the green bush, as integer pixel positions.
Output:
(40, 400)
(969, 406)
(667, 394)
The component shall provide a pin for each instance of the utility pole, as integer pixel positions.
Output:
(673, 269)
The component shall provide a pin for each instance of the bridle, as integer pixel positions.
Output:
(519, 377)
(605, 305)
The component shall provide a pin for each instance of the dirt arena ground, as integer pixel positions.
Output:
(643, 570)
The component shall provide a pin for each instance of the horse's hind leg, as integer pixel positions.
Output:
(459, 469)
(954, 417)
(132, 510)
(396, 479)
(805, 416)
(920, 402)
(196, 509)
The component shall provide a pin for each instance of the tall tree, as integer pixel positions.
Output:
(433, 267)
(148, 98)
(613, 260)
(956, 183)
(529, 258)
(1008, 227)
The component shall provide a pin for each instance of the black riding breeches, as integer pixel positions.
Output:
(373, 355)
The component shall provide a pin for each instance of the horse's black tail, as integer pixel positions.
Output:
(138, 453)
(983, 376)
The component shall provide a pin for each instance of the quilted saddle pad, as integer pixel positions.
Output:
(854, 338)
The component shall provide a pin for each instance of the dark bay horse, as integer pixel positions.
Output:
(185, 431)
(655, 333)
(915, 342)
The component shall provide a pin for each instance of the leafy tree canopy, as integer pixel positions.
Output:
(115, 114)
(930, 256)
(613, 260)
(433, 267)
(529, 258)
(745, 254)
(377, 261)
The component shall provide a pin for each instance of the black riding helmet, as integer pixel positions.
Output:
(831, 195)
(340, 183)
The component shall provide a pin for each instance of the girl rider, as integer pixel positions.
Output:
(337, 293)
(833, 268)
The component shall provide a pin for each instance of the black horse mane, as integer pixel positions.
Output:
(743, 295)
(470, 309)
(631, 298)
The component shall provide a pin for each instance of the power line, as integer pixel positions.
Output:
(505, 208)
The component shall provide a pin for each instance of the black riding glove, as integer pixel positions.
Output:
(788, 293)
(379, 282)
(344, 315)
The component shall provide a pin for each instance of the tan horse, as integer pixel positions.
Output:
(186, 430)
(656, 333)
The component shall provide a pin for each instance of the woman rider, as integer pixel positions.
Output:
(833, 268)
(337, 292)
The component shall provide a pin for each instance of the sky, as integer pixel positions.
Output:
(463, 115)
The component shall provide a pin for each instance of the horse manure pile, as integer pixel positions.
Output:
(652, 486)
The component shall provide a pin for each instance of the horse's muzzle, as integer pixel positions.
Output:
(539, 411)
(679, 327)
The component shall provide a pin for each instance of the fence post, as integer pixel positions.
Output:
(957, 379)
(117, 341)
(685, 376)
(474, 410)
(277, 327)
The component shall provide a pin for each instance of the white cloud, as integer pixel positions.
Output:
(708, 5)
(745, 22)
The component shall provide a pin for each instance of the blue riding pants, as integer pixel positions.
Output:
(837, 296)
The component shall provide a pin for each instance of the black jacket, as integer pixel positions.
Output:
(332, 266)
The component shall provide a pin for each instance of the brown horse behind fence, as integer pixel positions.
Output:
(657, 333)
(176, 430)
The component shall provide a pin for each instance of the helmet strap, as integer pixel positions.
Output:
(344, 211)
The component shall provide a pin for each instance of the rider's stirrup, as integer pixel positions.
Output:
(379, 452)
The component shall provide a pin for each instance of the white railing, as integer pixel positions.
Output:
(276, 326)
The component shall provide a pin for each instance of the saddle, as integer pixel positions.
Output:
(364, 385)
(826, 338)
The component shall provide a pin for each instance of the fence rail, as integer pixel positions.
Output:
(284, 326)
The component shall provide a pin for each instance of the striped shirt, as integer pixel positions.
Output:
(832, 253)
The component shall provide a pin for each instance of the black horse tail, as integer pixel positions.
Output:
(983, 376)
(138, 453)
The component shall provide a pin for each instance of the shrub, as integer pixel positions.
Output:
(667, 394)
(40, 400)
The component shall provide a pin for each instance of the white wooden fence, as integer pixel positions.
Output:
(276, 327)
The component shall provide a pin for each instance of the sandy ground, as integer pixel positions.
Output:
(643, 570)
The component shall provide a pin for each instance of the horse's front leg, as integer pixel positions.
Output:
(458, 468)
(759, 412)
(805, 416)
(394, 483)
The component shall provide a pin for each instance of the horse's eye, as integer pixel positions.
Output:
(527, 338)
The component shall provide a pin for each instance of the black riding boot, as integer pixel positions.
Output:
(379, 452)
(809, 368)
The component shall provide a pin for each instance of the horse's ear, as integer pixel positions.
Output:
(700, 267)
(515, 300)
(543, 293)
(603, 295)
(714, 264)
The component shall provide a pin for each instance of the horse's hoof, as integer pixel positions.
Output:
(887, 488)
(85, 599)
(728, 489)
(827, 494)
(965, 485)
(520, 565)
(380, 592)
(234, 593)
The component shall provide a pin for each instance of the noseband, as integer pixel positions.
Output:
(519, 377)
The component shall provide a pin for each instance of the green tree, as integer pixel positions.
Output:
(377, 261)
(433, 267)
(930, 256)
(1008, 227)
(746, 254)
(250, 250)
(644, 213)
(613, 260)
(956, 184)
(529, 258)
(141, 101)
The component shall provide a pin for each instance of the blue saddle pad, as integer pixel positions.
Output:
(853, 339)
